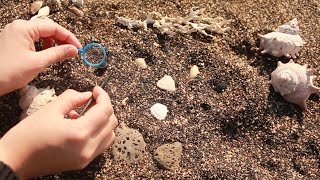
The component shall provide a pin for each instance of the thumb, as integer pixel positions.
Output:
(69, 100)
(56, 54)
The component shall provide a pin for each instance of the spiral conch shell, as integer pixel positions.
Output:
(294, 82)
(284, 41)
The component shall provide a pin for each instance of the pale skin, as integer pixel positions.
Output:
(45, 142)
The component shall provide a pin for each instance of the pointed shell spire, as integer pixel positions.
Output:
(294, 82)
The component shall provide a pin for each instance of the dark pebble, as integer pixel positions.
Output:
(205, 106)
(220, 87)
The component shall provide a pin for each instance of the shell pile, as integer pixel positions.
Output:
(55, 5)
(294, 82)
(284, 41)
(194, 22)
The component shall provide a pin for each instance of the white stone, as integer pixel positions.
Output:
(167, 83)
(159, 111)
(141, 63)
(194, 71)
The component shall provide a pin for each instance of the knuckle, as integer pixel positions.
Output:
(84, 160)
(70, 92)
(59, 54)
(109, 111)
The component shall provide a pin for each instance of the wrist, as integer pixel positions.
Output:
(7, 160)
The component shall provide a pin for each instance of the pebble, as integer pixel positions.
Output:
(194, 71)
(169, 155)
(220, 87)
(77, 3)
(167, 83)
(141, 63)
(77, 12)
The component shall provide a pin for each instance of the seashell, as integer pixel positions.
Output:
(141, 63)
(290, 27)
(280, 44)
(35, 6)
(194, 71)
(45, 11)
(77, 11)
(159, 111)
(294, 83)
(167, 83)
(77, 3)
(285, 41)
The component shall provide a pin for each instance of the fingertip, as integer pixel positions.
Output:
(72, 51)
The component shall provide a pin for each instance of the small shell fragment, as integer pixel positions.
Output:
(167, 83)
(35, 6)
(77, 12)
(141, 63)
(194, 71)
(159, 111)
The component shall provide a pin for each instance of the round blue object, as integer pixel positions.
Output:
(83, 53)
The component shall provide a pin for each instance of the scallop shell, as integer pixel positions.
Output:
(159, 111)
(35, 6)
(294, 83)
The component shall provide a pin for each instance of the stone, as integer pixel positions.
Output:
(169, 155)
(167, 83)
(128, 145)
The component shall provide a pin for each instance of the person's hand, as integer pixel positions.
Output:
(46, 142)
(20, 63)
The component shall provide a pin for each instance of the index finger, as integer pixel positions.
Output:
(48, 28)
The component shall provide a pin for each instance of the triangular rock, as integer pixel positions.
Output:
(167, 83)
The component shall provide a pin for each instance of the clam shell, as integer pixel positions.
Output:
(35, 6)
(141, 63)
(159, 111)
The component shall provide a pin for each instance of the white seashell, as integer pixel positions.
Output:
(290, 27)
(45, 11)
(194, 71)
(167, 83)
(159, 111)
(294, 83)
(141, 63)
(35, 6)
(77, 12)
(280, 44)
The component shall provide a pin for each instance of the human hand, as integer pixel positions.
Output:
(46, 143)
(20, 63)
